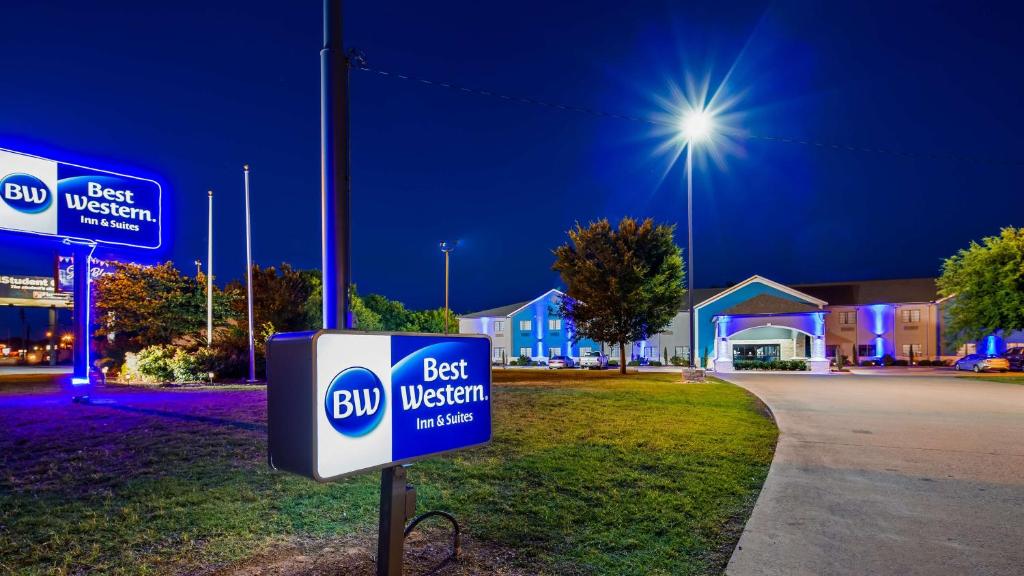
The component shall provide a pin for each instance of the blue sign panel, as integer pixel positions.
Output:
(442, 390)
(343, 402)
(51, 198)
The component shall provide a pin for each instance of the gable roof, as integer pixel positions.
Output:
(508, 310)
(868, 292)
(817, 302)
(770, 304)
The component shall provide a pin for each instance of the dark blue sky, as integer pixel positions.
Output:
(189, 91)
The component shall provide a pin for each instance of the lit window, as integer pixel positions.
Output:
(911, 316)
(916, 348)
(584, 350)
(554, 352)
(499, 326)
(525, 325)
(525, 352)
(499, 353)
(847, 318)
(554, 323)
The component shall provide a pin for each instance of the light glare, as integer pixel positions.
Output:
(697, 125)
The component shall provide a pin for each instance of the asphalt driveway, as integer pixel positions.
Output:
(889, 475)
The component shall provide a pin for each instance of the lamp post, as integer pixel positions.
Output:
(447, 250)
(695, 126)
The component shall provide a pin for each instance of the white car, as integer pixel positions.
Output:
(561, 362)
(594, 360)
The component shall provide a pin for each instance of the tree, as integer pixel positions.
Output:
(622, 284)
(275, 292)
(986, 284)
(142, 306)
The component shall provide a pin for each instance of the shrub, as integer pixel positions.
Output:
(888, 360)
(900, 363)
(774, 365)
(677, 361)
(633, 363)
(613, 362)
(163, 363)
(654, 363)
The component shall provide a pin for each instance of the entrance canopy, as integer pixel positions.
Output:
(765, 321)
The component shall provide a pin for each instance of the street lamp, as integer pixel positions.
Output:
(447, 250)
(695, 126)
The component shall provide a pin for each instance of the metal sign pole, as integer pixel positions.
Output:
(393, 513)
(248, 279)
(81, 257)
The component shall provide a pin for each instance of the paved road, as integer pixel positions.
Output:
(889, 475)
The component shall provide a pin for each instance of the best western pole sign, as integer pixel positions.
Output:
(51, 198)
(342, 402)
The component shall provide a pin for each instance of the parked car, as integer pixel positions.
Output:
(982, 363)
(561, 362)
(595, 360)
(1015, 357)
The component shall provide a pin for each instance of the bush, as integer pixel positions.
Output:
(613, 362)
(677, 361)
(633, 363)
(773, 365)
(900, 363)
(654, 363)
(163, 363)
(888, 360)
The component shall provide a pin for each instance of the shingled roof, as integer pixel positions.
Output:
(770, 304)
(868, 292)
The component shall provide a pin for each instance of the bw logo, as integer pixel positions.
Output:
(25, 193)
(355, 402)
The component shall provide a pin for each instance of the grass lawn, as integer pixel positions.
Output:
(1005, 378)
(588, 473)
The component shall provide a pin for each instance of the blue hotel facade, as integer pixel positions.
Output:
(759, 319)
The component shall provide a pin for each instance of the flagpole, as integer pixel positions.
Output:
(209, 272)
(248, 274)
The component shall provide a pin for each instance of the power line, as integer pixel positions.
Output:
(359, 63)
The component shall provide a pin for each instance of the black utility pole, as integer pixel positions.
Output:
(335, 183)
(396, 497)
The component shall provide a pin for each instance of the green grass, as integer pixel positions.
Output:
(587, 474)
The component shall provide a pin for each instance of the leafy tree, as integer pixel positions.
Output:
(275, 292)
(140, 306)
(987, 283)
(623, 284)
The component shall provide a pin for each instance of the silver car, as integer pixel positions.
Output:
(982, 363)
(594, 359)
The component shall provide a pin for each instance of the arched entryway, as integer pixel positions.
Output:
(770, 337)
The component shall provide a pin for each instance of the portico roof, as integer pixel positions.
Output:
(769, 304)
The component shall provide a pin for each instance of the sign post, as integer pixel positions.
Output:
(84, 207)
(343, 402)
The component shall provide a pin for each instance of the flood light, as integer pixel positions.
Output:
(697, 125)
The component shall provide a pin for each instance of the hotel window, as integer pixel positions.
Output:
(554, 324)
(525, 352)
(499, 326)
(910, 316)
(847, 317)
(584, 350)
(867, 351)
(915, 347)
(554, 352)
(498, 352)
(682, 351)
(525, 325)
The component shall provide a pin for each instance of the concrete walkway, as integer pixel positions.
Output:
(889, 475)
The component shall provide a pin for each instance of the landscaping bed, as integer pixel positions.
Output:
(588, 473)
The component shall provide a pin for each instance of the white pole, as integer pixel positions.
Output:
(248, 277)
(209, 273)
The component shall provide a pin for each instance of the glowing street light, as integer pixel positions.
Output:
(696, 125)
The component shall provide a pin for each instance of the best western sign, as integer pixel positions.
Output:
(51, 198)
(345, 402)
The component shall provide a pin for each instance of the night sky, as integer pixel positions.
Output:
(187, 92)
